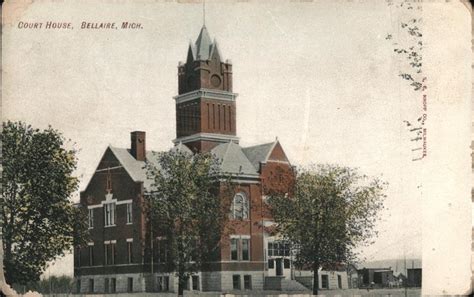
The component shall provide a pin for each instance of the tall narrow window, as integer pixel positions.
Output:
(130, 284)
(230, 119)
(91, 218)
(213, 116)
(91, 255)
(225, 111)
(129, 213)
(130, 251)
(113, 253)
(208, 117)
(245, 249)
(106, 254)
(219, 116)
(109, 214)
(233, 249)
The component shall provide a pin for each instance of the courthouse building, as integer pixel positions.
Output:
(118, 257)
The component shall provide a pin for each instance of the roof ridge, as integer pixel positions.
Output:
(266, 143)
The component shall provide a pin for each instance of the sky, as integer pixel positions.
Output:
(321, 76)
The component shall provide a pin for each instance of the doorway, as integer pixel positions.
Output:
(279, 266)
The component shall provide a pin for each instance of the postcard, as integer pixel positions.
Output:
(366, 105)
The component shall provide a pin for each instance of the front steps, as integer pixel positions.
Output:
(280, 283)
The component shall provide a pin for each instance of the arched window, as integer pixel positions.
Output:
(240, 207)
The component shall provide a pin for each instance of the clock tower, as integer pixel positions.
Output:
(205, 105)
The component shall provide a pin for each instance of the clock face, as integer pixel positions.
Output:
(215, 80)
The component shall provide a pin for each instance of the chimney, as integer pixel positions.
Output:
(138, 148)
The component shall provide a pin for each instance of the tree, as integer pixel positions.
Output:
(39, 219)
(187, 209)
(329, 211)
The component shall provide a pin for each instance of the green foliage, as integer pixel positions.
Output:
(186, 208)
(331, 210)
(39, 219)
(52, 285)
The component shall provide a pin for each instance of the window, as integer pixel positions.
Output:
(91, 285)
(91, 255)
(236, 281)
(106, 253)
(109, 214)
(113, 285)
(91, 218)
(339, 282)
(247, 282)
(324, 282)
(110, 253)
(129, 213)
(271, 264)
(279, 249)
(240, 207)
(130, 284)
(240, 248)
(130, 251)
(233, 249)
(245, 249)
(163, 283)
(106, 285)
(286, 263)
(195, 281)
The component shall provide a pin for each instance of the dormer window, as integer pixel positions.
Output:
(240, 207)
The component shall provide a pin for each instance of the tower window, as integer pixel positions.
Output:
(219, 116)
(208, 117)
(224, 109)
(230, 118)
(213, 116)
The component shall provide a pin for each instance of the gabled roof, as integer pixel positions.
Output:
(259, 153)
(136, 169)
(133, 167)
(233, 159)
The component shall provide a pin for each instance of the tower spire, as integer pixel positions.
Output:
(204, 13)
